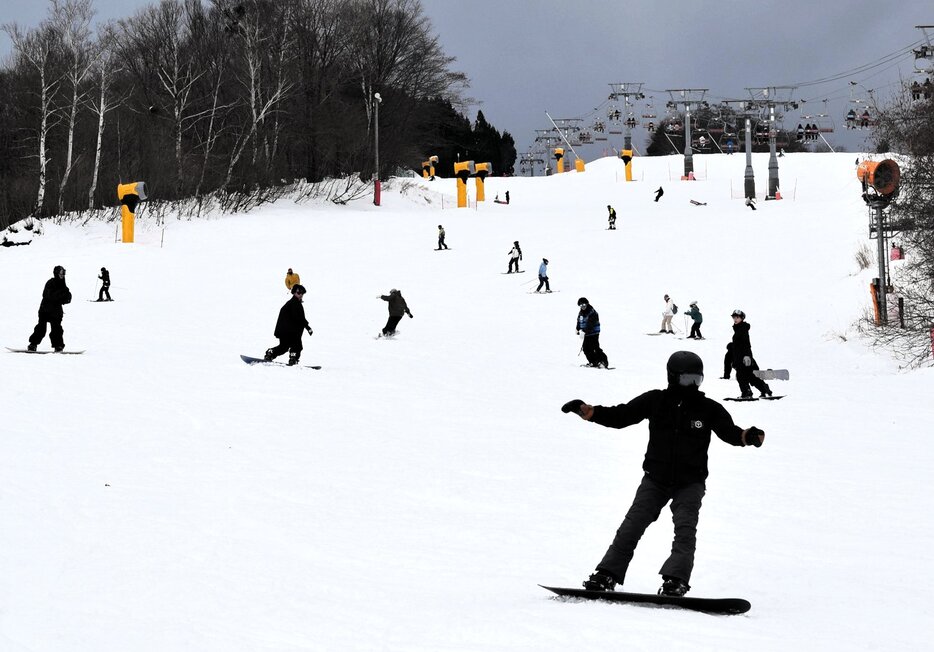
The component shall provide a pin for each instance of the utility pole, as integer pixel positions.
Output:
(766, 100)
(686, 98)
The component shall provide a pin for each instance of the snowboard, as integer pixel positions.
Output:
(252, 361)
(698, 203)
(444, 249)
(392, 336)
(43, 352)
(521, 271)
(740, 399)
(593, 367)
(719, 606)
(772, 374)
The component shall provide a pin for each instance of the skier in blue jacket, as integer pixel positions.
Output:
(543, 276)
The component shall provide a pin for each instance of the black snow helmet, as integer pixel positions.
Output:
(685, 368)
(738, 313)
(582, 301)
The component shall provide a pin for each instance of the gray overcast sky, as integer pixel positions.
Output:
(524, 57)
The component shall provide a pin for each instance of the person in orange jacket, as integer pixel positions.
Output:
(291, 279)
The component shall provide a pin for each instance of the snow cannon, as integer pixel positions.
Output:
(558, 153)
(579, 164)
(130, 195)
(463, 171)
(882, 176)
(626, 156)
(481, 172)
(428, 167)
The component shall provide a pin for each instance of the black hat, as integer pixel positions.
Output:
(582, 301)
(738, 313)
(298, 288)
(58, 269)
(545, 260)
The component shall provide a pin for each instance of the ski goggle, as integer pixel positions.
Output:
(686, 380)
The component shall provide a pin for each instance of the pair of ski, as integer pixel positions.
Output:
(718, 606)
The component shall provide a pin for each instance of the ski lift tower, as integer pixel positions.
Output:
(924, 55)
(627, 90)
(568, 127)
(687, 98)
(768, 99)
(747, 110)
(545, 141)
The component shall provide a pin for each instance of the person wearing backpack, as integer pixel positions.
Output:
(670, 311)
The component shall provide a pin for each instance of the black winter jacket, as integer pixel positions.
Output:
(54, 296)
(741, 345)
(680, 423)
(397, 304)
(291, 320)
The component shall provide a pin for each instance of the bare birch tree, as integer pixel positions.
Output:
(36, 49)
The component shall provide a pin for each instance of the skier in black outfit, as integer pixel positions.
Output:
(743, 361)
(289, 327)
(104, 276)
(397, 308)
(659, 193)
(681, 420)
(727, 361)
(55, 294)
(589, 321)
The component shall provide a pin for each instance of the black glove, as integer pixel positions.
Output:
(572, 406)
(310, 332)
(411, 315)
(752, 436)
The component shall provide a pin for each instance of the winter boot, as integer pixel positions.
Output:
(31, 347)
(600, 581)
(765, 392)
(746, 395)
(59, 349)
(673, 587)
(268, 356)
(293, 358)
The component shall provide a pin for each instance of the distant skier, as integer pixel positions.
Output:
(507, 197)
(104, 276)
(291, 278)
(667, 313)
(743, 361)
(515, 255)
(612, 217)
(727, 361)
(55, 294)
(751, 203)
(695, 314)
(588, 321)
(441, 234)
(659, 193)
(397, 308)
(681, 419)
(543, 276)
(289, 327)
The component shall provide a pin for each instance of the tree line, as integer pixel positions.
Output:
(226, 96)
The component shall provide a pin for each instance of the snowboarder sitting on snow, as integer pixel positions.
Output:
(681, 420)
(291, 279)
(397, 308)
(695, 314)
(612, 217)
(543, 276)
(289, 327)
(55, 294)
(515, 255)
(743, 361)
(589, 321)
(104, 276)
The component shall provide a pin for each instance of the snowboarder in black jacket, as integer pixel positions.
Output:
(397, 308)
(681, 420)
(743, 361)
(104, 276)
(289, 328)
(55, 294)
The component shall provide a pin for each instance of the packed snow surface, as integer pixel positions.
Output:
(157, 494)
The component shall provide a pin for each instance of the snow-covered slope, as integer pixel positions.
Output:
(157, 494)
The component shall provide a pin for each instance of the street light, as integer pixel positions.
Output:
(376, 188)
